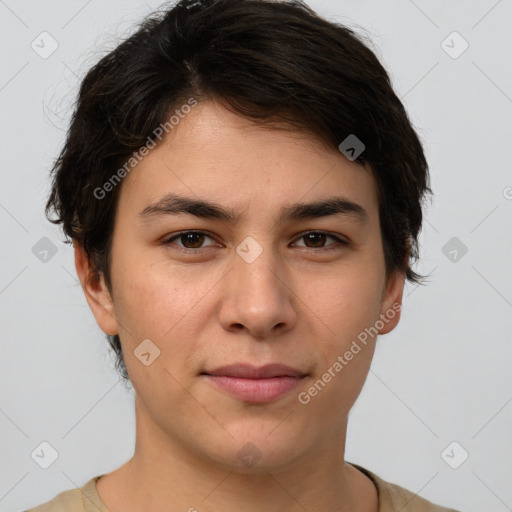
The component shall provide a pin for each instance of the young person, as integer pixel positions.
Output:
(243, 190)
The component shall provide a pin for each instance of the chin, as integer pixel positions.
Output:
(258, 449)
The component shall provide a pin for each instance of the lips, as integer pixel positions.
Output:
(256, 385)
(247, 371)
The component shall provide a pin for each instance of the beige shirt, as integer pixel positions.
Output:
(391, 498)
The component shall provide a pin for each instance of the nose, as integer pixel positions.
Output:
(258, 296)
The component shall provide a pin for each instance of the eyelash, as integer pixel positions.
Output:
(170, 241)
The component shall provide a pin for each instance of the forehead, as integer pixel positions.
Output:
(213, 154)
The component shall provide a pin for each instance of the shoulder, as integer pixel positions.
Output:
(393, 497)
(67, 501)
(75, 500)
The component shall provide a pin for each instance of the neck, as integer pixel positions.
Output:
(166, 475)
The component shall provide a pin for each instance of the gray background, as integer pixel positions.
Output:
(442, 376)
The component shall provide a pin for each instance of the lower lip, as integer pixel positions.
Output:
(255, 390)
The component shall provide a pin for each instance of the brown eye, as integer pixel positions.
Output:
(189, 240)
(194, 239)
(317, 239)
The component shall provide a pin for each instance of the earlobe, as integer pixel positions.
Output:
(96, 292)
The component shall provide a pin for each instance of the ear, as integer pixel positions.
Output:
(391, 304)
(96, 292)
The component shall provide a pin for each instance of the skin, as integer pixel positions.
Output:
(297, 303)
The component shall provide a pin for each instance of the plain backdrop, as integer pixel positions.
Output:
(440, 386)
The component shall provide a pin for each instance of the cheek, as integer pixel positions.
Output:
(346, 311)
(150, 302)
(165, 304)
(157, 309)
(347, 303)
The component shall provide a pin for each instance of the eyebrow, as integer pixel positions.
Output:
(173, 204)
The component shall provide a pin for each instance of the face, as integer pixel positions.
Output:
(260, 288)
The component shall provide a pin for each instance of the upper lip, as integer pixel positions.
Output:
(249, 371)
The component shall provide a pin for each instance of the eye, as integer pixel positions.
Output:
(191, 240)
(317, 239)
